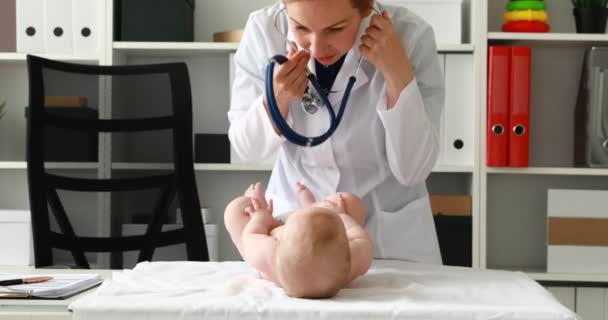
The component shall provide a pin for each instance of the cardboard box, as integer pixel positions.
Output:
(169, 253)
(445, 16)
(16, 242)
(577, 231)
(453, 223)
(451, 205)
(228, 36)
(65, 101)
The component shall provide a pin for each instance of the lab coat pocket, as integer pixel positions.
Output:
(408, 233)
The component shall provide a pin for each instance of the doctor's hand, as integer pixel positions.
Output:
(290, 80)
(382, 46)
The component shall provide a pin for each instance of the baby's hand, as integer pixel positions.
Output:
(256, 191)
(262, 213)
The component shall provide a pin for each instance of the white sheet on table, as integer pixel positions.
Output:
(390, 290)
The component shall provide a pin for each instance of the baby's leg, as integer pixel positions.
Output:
(305, 197)
(360, 245)
(235, 219)
(353, 206)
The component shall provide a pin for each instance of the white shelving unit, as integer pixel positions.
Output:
(513, 201)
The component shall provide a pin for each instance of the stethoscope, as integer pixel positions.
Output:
(311, 101)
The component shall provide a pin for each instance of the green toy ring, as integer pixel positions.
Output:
(526, 5)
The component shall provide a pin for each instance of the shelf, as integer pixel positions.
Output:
(455, 48)
(577, 39)
(174, 48)
(452, 169)
(550, 171)
(197, 166)
(21, 57)
(186, 49)
(246, 167)
(51, 165)
(231, 167)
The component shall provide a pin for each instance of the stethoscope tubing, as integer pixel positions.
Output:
(287, 132)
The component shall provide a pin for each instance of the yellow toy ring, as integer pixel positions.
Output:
(526, 15)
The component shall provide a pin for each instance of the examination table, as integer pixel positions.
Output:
(390, 290)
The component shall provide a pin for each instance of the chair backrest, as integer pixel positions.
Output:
(176, 184)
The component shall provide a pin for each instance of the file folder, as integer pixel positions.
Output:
(8, 26)
(591, 113)
(58, 26)
(86, 25)
(459, 109)
(498, 106)
(519, 107)
(30, 26)
(442, 140)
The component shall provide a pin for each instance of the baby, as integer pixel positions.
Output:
(318, 250)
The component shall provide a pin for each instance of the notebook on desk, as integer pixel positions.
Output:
(60, 287)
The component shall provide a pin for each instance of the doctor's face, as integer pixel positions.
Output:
(325, 28)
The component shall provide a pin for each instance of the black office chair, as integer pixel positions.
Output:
(178, 184)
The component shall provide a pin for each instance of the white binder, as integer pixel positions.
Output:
(459, 109)
(30, 26)
(86, 26)
(58, 26)
(442, 140)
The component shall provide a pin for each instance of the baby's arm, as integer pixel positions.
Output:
(361, 247)
(258, 246)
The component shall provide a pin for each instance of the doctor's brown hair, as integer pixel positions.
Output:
(362, 5)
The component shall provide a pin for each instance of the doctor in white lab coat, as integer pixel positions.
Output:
(387, 142)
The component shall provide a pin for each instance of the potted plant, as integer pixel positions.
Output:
(590, 15)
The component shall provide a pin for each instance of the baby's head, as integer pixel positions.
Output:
(312, 255)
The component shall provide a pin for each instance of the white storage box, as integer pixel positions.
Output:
(16, 243)
(444, 15)
(577, 231)
(169, 253)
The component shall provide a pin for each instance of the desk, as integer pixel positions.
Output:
(22, 309)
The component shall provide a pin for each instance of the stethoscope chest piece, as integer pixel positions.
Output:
(311, 102)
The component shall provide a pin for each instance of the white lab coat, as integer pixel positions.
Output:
(383, 156)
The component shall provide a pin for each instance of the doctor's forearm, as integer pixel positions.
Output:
(395, 81)
(412, 162)
(412, 141)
